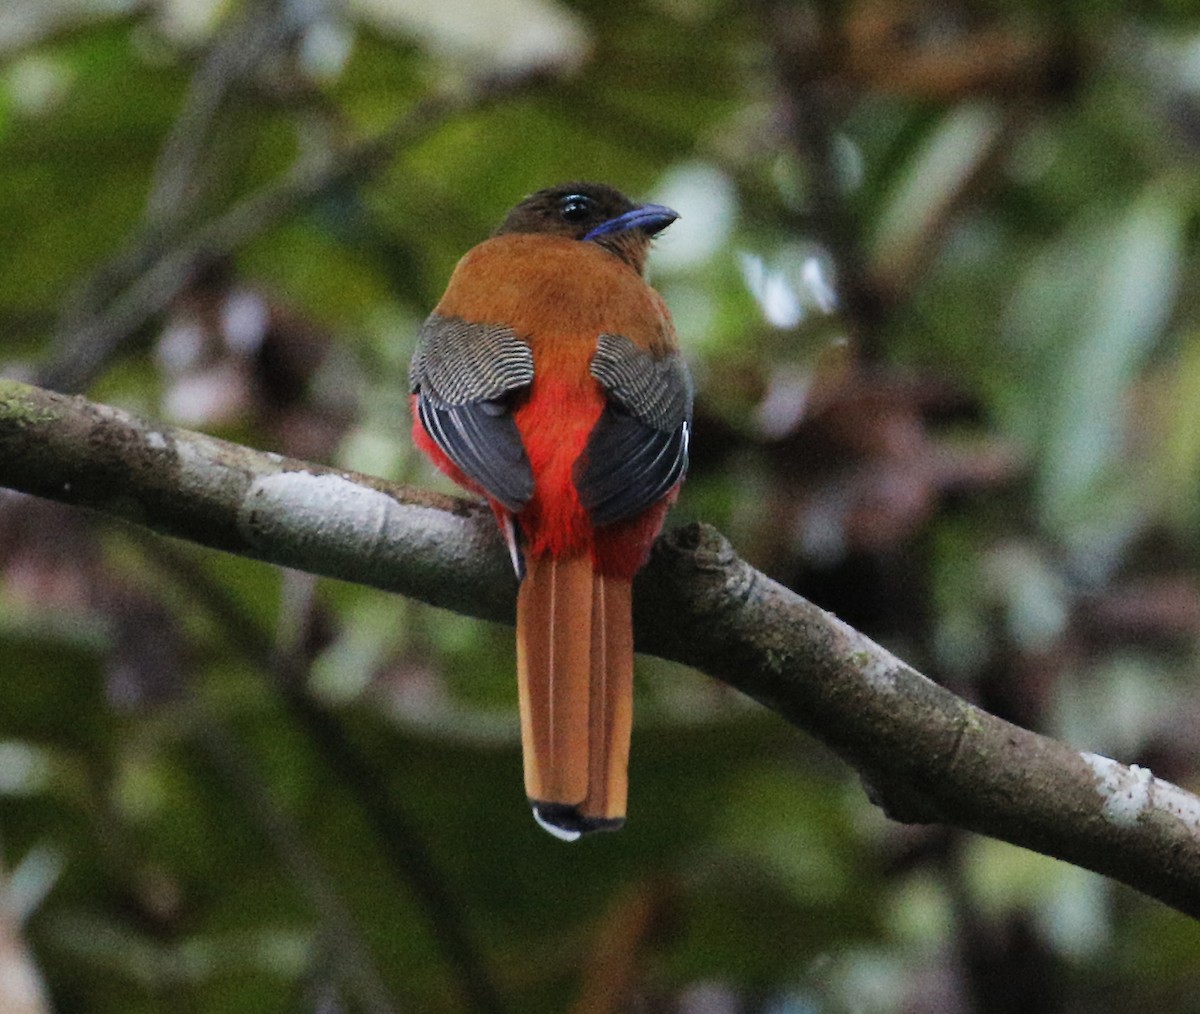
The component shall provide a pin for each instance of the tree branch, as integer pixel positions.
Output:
(925, 754)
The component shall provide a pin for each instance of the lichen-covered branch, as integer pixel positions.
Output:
(214, 493)
(924, 754)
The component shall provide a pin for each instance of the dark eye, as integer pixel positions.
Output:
(575, 207)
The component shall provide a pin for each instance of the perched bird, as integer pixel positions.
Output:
(548, 379)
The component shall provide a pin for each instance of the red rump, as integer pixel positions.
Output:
(555, 421)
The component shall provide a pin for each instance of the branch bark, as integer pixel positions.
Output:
(924, 754)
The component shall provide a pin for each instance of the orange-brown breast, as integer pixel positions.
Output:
(556, 291)
(560, 295)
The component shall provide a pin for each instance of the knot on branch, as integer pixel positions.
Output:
(700, 545)
(899, 800)
(696, 567)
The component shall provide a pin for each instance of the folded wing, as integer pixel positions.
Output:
(465, 377)
(638, 449)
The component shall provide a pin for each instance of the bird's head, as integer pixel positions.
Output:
(592, 213)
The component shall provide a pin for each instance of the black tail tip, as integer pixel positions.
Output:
(566, 823)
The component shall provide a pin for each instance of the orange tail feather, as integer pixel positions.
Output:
(575, 677)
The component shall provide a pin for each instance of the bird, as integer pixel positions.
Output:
(548, 379)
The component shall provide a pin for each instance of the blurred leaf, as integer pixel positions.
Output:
(1084, 319)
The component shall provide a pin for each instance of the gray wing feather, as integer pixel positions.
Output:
(465, 376)
(658, 391)
(638, 449)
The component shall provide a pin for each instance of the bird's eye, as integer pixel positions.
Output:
(576, 207)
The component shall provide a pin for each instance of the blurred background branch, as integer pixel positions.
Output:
(143, 280)
(354, 964)
(21, 987)
(285, 666)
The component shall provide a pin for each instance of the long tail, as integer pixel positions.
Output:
(575, 676)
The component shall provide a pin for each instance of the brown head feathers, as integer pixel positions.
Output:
(591, 212)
